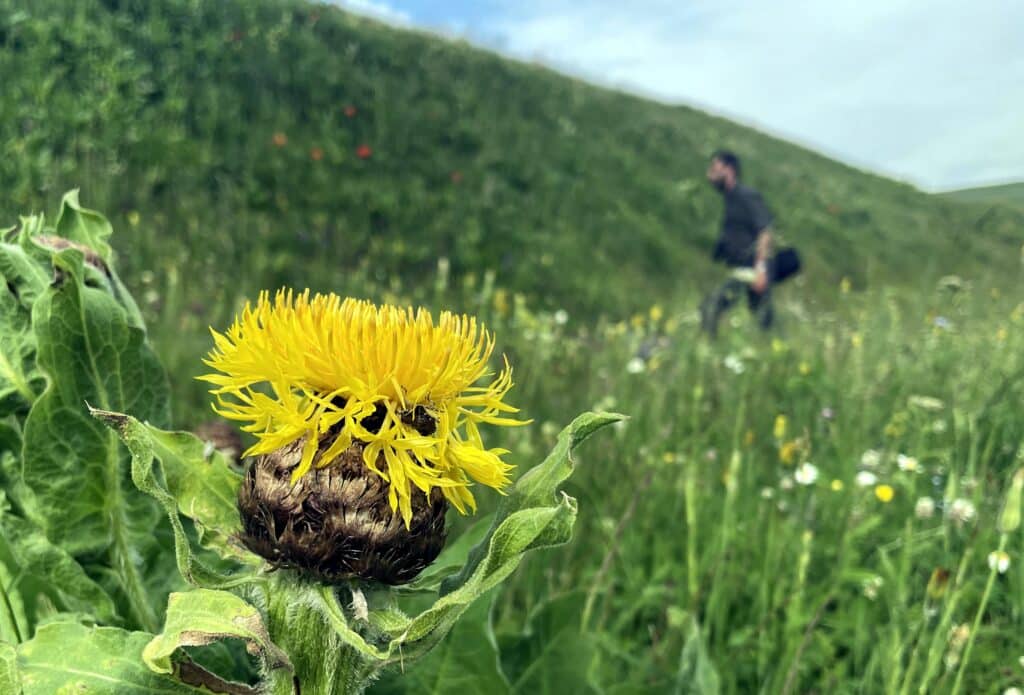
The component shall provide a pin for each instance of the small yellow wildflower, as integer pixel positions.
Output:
(656, 313)
(788, 451)
(778, 346)
(884, 493)
(1002, 334)
(305, 368)
(779, 430)
(804, 368)
(837, 485)
(845, 285)
(856, 340)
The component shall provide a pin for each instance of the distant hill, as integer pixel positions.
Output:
(1009, 193)
(255, 143)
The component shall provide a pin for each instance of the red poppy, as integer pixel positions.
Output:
(280, 139)
(316, 154)
(456, 176)
(364, 151)
(351, 111)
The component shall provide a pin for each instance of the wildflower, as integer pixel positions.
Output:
(366, 415)
(1013, 690)
(871, 586)
(778, 346)
(907, 464)
(779, 430)
(999, 561)
(837, 485)
(788, 451)
(856, 340)
(870, 458)
(279, 139)
(668, 457)
(636, 365)
(351, 111)
(957, 640)
(924, 508)
(804, 368)
(937, 583)
(364, 151)
(767, 493)
(961, 511)
(942, 323)
(806, 474)
(1002, 334)
(561, 317)
(828, 414)
(786, 483)
(884, 493)
(939, 427)
(655, 313)
(134, 218)
(845, 285)
(865, 479)
(316, 154)
(734, 364)
(926, 403)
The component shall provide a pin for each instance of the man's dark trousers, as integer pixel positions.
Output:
(726, 295)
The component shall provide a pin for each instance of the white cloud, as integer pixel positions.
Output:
(929, 90)
(377, 10)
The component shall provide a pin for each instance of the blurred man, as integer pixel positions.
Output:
(744, 244)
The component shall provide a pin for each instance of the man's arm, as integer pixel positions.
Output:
(765, 245)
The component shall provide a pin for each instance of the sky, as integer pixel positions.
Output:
(926, 91)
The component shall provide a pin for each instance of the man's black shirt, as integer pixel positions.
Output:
(745, 216)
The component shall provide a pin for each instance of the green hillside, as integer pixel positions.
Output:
(1008, 193)
(165, 113)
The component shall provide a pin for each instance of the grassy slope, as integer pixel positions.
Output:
(583, 197)
(1008, 193)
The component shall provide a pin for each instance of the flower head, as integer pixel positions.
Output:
(884, 493)
(328, 373)
(924, 508)
(806, 474)
(999, 560)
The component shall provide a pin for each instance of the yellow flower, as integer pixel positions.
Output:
(884, 493)
(1002, 334)
(845, 285)
(856, 340)
(656, 313)
(312, 367)
(837, 485)
(804, 368)
(788, 451)
(779, 430)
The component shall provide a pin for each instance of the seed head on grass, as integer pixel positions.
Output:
(367, 425)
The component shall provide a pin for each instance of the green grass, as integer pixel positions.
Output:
(697, 559)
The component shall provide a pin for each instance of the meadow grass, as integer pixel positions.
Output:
(706, 542)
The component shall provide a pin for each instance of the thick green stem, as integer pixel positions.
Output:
(323, 663)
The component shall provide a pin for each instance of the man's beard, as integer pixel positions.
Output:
(719, 185)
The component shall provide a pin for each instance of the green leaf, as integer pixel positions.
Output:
(535, 490)
(45, 570)
(465, 662)
(202, 488)
(531, 516)
(73, 482)
(696, 674)
(10, 679)
(84, 226)
(72, 658)
(203, 616)
(20, 381)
